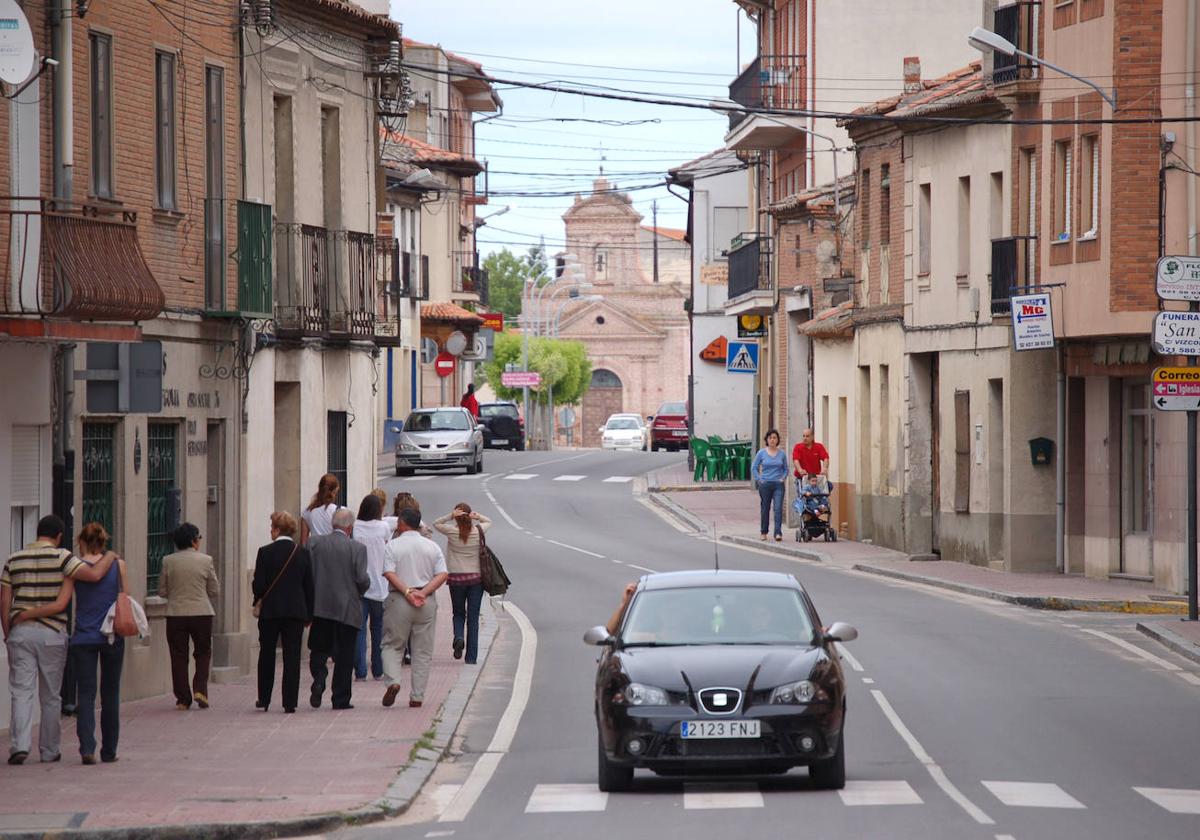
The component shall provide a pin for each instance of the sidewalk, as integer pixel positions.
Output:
(732, 509)
(235, 771)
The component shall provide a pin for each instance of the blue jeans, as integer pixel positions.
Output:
(373, 616)
(770, 495)
(466, 600)
(85, 659)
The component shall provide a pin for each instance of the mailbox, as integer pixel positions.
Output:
(1041, 451)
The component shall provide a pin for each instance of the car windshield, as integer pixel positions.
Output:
(622, 423)
(673, 408)
(498, 411)
(437, 421)
(718, 615)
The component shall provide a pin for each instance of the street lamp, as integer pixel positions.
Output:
(480, 221)
(985, 40)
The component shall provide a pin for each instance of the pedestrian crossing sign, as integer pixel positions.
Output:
(742, 357)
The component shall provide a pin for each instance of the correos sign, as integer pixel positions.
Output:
(17, 55)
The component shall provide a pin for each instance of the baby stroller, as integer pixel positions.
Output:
(812, 504)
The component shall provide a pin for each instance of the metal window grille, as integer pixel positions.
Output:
(161, 452)
(98, 475)
(336, 457)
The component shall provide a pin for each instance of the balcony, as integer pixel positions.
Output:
(324, 282)
(81, 263)
(772, 82)
(252, 254)
(398, 275)
(748, 288)
(469, 278)
(1016, 23)
(1014, 271)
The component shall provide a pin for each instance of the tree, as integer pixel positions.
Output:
(508, 274)
(563, 364)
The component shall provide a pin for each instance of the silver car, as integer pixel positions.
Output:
(439, 439)
(624, 431)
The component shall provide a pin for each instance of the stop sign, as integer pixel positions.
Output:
(444, 364)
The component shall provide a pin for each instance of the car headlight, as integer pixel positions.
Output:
(797, 692)
(460, 446)
(408, 447)
(636, 694)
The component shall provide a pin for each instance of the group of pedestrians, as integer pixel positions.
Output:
(365, 584)
(769, 470)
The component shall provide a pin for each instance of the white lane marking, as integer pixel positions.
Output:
(506, 730)
(553, 799)
(449, 833)
(698, 797)
(1005, 837)
(419, 478)
(1192, 678)
(469, 477)
(1032, 795)
(618, 479)
(538, 537)
(575, 548)
(854, 663)
(500, 508)
(1175, 800)
(879, 793)
(1134, 649)
(520, 476)
(442, 796)
(868, 681)
(642, 569)
(570, 477)
(939, 776)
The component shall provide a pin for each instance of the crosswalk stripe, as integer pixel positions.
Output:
(520, 476)
(420, 478)
(1032, 795)
(570, 478)
(706, 797)
(551, 799)
(1175, 800)
(471, 477)
(879, 793)
(618, 479)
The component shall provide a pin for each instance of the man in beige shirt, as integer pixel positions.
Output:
(189, 583)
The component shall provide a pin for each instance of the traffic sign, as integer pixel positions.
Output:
(751, 326)
(1176, 334)
(479, 349)
(492, 320)
(521, 379)
(1176, 388)
(1178, 278)
(1032, 322)
(742, 357)
(443, 364)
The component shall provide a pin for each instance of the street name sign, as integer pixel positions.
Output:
(1176, 334)
(521, 379)
(1178, 278)
(742, 357)
(1032, 322)
(1176, 388)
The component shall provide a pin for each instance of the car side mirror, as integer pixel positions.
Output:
(840, 631)
(598, 636)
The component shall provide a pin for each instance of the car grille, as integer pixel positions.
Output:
(718, 748)
(720, 701)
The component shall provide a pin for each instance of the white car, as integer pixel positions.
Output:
(624, 431)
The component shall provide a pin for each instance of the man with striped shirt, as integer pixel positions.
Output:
(34, 578)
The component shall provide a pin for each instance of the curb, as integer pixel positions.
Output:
(778, 548)
(395, 801)
(680, 513)
(1171, 640)
(692, 488)
(1037, 602)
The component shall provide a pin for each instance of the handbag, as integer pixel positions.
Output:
(124, 624)
(491, 573)
(257, 608)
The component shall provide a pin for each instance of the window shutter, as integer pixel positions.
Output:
(26, 466)
(962, 451)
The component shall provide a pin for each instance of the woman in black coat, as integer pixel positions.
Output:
(283, 591)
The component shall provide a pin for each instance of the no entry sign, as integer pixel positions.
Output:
(444, 364)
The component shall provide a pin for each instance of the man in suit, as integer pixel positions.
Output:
(189, 583)
(339, 570)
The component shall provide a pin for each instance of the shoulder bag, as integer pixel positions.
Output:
(124, 624)
(491, 573)
(257, 609)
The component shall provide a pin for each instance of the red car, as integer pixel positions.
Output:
(669, 427)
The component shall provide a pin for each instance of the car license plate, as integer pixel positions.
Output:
(680, 433)
(499, 441)
(431, 456)
(694, 729)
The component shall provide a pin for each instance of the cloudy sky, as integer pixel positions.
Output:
(547, 142)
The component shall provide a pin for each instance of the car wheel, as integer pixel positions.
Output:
(612, 778)
(830, 774)
(479, 463)
(404, 471)
(472, 468)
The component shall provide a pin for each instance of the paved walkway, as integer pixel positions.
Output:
(233, 763)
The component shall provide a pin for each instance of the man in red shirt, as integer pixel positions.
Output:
(809, 457)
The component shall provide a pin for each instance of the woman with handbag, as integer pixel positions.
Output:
(283, 605)
(463, 529)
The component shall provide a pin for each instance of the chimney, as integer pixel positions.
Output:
(912, 74)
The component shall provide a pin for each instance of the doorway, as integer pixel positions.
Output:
(605, 396)
(1137, 480)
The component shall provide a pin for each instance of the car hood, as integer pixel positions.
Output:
(721, 665)
(622, 432)
(436, 439)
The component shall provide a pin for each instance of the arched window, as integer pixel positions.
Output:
(602, 378)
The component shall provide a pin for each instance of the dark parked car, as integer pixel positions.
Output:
(720, 672)
(669, 427)
(502, 425)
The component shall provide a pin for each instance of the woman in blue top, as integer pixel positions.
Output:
(768, 470)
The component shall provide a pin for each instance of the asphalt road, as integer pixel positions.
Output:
(966, 719)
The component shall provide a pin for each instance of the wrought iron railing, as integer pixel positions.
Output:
(749, 265)
(1013, 270)
(1017, 24)
(324, 281)
(770, 81)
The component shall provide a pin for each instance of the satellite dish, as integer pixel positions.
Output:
(429, 350)
(456, 343)
(17, 55)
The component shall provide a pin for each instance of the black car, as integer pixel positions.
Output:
(720, 672)
(502, 425)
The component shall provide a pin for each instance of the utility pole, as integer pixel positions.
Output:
(654, 207)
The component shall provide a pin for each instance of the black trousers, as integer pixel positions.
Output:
(328, 638)
(270, 631)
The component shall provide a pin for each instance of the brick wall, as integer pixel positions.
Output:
(873, 157)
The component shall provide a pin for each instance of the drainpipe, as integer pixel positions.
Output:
(1060, 465)
(64, 120)
(1190, 111)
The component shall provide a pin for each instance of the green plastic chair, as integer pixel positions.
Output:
(724, 456)
(707, 462)
(742, 459)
